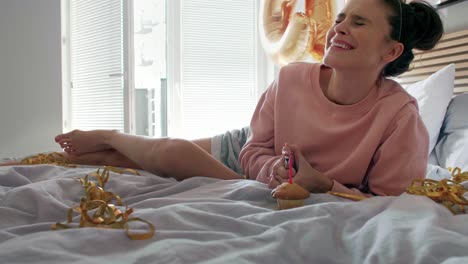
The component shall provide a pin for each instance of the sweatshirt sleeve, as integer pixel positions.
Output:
(258, 154)
(400, 158)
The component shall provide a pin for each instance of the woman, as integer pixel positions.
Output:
(352, 130)
(359, 132)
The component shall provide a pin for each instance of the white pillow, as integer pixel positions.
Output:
(433, 95)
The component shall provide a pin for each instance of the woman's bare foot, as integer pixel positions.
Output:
(79, 142)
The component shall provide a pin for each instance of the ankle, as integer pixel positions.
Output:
(107, 136)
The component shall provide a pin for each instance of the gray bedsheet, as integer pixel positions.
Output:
(204, 220)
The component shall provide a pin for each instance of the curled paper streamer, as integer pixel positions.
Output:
(450, 193)
(457, 175)
(348, 196)
(289, 36)
(53, 158)
(96, 199)
(97, 210)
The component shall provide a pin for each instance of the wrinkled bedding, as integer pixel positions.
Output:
(203, 220)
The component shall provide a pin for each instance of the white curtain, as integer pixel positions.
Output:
(96, 59)
(216, 84)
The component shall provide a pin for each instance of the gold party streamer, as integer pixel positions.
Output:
(53, 158)
(348, 196)
(448, 192)
(106, 214)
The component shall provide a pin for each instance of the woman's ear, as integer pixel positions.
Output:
(394, 51)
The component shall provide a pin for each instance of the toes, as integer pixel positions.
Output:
(65, 135)
(67, 146)
(69, 150)
(60, 137)
(64, 143)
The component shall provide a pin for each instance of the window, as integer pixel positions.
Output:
(185, 68)
(149, 67)
(96, 65)
(218, 68)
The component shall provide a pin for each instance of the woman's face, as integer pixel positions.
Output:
(359, 39)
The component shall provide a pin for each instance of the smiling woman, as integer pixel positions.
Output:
(354, 130)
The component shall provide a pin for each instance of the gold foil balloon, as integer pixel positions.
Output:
(288, 35)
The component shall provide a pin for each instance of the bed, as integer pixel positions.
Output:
(203, 220)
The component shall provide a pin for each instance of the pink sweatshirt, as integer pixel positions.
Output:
(376, 146)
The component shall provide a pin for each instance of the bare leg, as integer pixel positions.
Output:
(204, 143)
(176, 158)
(92, 141)
(102, 158)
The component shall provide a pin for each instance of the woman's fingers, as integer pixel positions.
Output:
(289, 156)
(273, 182)
(294, 150)
(282, 172)
(286, 151)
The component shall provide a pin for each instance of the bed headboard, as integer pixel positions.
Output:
(453, 48)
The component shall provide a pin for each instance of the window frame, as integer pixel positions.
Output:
(265, 74)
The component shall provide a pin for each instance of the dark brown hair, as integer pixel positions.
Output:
(416, 25)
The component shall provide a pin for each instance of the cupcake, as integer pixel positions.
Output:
(289, 195)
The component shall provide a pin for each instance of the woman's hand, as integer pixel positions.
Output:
(279, 172)
(306, 176)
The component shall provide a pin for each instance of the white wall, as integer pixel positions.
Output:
(455, 17)
(30, 76)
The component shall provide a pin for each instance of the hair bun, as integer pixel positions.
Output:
(427, 26)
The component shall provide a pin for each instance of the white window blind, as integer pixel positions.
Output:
(97, 72)
(219, 68)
